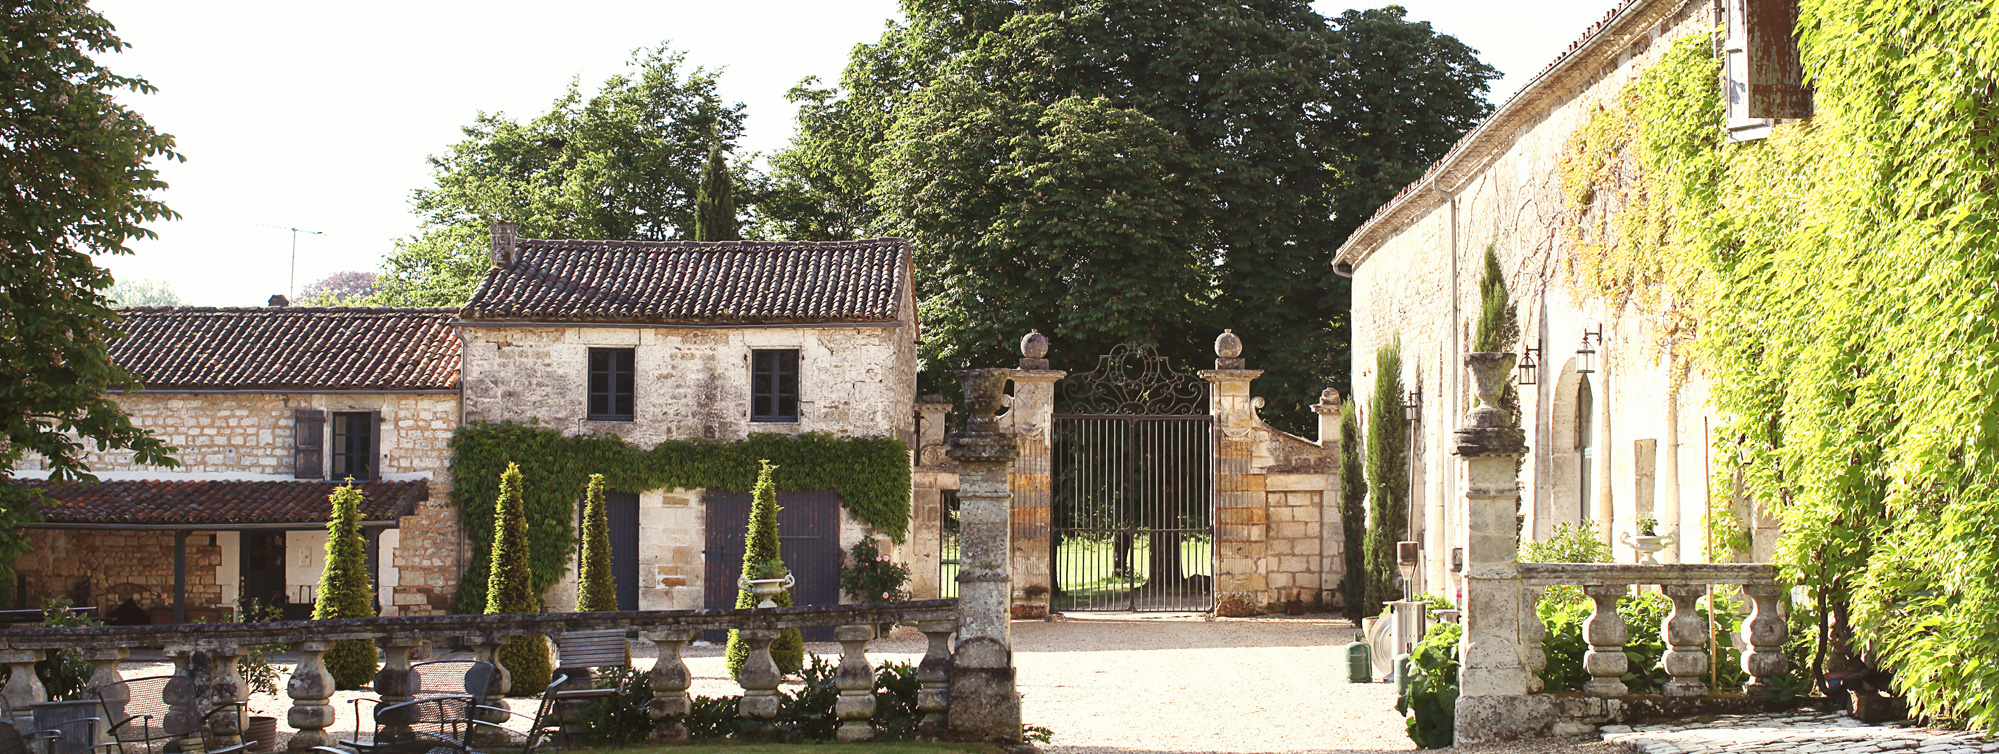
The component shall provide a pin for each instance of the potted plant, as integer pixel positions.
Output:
(765, 581)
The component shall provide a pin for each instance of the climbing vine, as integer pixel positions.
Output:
(871, 475)
(1838, 281)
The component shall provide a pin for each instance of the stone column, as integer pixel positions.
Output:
(310, 686)
(984, 705)
(1493, 671)
(1606, 633)
(1533, 635)
(23, 687)
(226, 689)
(926, 504)
(759, 678)
(669, 680)
(104, 675)
(934, 672)
(186, 695)
(856, 680)
(486, 649)
(1685, 633)
(1031, 480)
(1332, 534)
(1242, 523)
(392, 685)
(1766, 633)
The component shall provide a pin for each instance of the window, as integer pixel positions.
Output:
(1585, 443)
(1764, 79)
(354, 442)
(611, 384)
(774, 385)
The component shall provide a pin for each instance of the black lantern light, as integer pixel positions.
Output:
(1528, 366)
(1586, 355)
(1412, 405)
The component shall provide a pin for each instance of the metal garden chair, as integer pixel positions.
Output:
(544, 731)
(137, 714)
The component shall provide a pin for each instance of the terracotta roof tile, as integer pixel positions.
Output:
(289, 348)
(217, 502)
(668, 282)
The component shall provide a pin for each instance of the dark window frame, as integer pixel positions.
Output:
(611, 383)
(774, 393)
(356, 445)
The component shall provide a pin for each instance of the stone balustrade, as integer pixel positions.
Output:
(1685, 632)
(205, 657)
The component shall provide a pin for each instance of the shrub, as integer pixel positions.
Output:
(806, 714)
(1431, 697)
(871, 577)
(595, 591)
(1353, 515)
(64, 673)
(1387, 475)
(345, 590)
(525, 657)
(760, 551)
(255, 663)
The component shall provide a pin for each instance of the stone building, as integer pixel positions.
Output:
(1618, 428)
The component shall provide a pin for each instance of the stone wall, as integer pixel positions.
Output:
(1418, 280)
(98, 563)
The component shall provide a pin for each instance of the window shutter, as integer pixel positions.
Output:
(374, 445)
(308, 444)
(1776, 77)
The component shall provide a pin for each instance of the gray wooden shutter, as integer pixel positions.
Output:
(308, 444)
(375, 454)
(1776, 78)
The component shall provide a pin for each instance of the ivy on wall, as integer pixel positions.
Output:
(871, 475)
(1839, 282)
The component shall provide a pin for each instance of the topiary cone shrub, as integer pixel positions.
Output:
(345, 590)
(595, 591)
(761, 555)
(509, 591)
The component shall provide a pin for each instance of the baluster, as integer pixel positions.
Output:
(856, 680)
(310, 686)
(225, 688)
(669, 680)
(486, 648)
(104, 677)
(185, 695)
(1685, 633)
(1606, 633)
(1766, 633)
(1532, 635)
(759, 679)
(23, 687)
(392, 686)
(934, 700)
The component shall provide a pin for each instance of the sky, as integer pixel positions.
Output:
(319, 116)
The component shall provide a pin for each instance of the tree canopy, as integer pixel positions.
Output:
(1127, 172)
(624, 163)
(80, 182)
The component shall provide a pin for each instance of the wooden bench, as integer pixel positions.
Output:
(577, 654)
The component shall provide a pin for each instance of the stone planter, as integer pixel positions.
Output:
(1647, 544)
(1489, 372)
(766, 590)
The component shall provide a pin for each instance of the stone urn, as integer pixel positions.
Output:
(766, 590)
(1489, 372)
(1646, 545)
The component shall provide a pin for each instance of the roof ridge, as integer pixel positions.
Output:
(286, 309)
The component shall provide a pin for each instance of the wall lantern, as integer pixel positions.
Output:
(1528, 367)
(1412, 406)
(1586, 355)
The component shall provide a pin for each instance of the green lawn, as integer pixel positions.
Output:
(900, 747)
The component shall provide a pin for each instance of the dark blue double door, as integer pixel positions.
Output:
(621, 511)
(808, 528)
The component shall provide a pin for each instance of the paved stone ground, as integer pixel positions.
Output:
(1802, 732)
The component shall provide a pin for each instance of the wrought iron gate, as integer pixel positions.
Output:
(1133, 521)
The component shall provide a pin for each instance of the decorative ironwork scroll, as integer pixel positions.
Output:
(1133, 380)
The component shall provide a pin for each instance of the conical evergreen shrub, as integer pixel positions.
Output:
(760, 547)
(345, 590)
(509, 591)
(1387, 476)
(595, 591)
(715, 202)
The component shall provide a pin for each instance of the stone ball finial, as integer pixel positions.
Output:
(1034, 345)
(1228, 345)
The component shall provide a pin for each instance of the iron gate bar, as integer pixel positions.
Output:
(1132, 498)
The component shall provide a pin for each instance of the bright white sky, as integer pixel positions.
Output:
(319, 115)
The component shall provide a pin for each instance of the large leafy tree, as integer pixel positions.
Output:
(1127, 171)
(624, 163)
(78, 182)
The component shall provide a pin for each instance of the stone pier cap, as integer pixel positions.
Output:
(473, 626)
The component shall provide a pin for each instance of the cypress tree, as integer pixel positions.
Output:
(715, 202)
(1498, 326)
(1387, 475)
(1353, 515)
(345, 590)
(508, 587)
(595, 591)
(761, 548)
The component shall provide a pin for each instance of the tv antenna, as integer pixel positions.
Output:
(291, 282)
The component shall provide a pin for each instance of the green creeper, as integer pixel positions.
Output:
(345, 591)
(715, 203)
(525, 657)
(595, 592)
(1387, 476)
(1353, 514)
(761, 555)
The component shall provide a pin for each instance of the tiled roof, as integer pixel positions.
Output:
(217, 502)
(669, 282)
(289, 348)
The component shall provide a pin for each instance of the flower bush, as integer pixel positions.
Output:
(870, 576)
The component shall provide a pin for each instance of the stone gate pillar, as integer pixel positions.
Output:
(1031, 481)
(923, 552)
(1493, 673)
(1241, 512)
(984, 705)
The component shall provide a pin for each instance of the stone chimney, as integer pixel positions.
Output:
(278, 301)
(505, 250)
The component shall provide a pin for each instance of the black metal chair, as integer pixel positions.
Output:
(544, 731)
(473, 678)
(140, 722)
(418, 726)
(12, 741)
